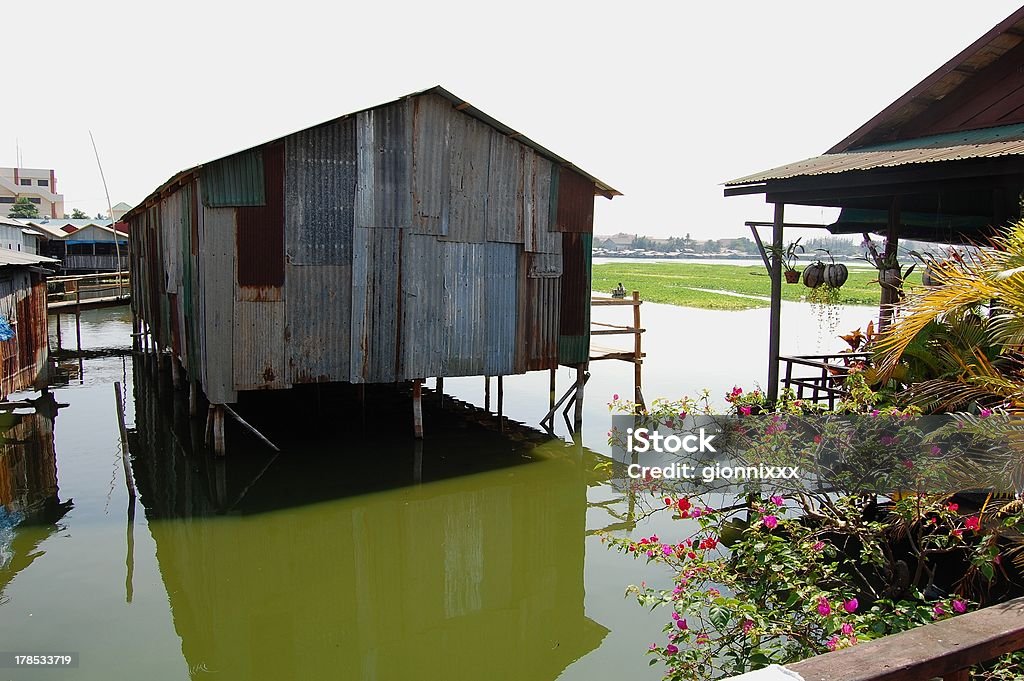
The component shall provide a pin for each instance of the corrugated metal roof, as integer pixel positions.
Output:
(9, 258)
(985, 143)
(601, 188)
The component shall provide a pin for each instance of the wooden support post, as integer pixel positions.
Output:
(59, 342)
(417, 408)
(129, 481)
(501, 402)
(487, 393)
(193, 398)
(219, 444)
(439, 389)
(135, 333)
(638, 355)
(890, 292)
(417, 461)
(175, 370)
(552, 390)
(775, 307)
(78, 319)
(580, 382)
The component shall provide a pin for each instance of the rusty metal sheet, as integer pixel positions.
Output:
(505, 187)
(235, 181)
(538, 321)
(217, 282)
(574, 309)
(544, 265)
(574, 200)
(430, 174)
(318, 318)
(425, 335)
(259, 355)
(375, 305)
(501, 299)
(469, 158)
(260, 235)
(25, 356)
(170, 240)
(320, 186)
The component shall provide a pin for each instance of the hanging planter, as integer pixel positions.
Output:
(836, 275)
(792, 276)
(891, 277)
(814, 275)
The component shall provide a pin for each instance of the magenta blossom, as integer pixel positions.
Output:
(745, 410)
(833, 643)
(847, 628)
(682, 624)
(938, 611)
(777, 500)
(818, 545)
(747, 626)
(671, 649)
(959, 607)
(824, 609)
(985, 413)
(770, 521)
(851, 605)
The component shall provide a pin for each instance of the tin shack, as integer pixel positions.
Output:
(24, 343)
(419, 238)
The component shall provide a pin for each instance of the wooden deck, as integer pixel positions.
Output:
(72, 294)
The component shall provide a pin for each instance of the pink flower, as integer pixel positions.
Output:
(824, 609)
(671, 649)
(938, 611)
(851, 605)
(675, 616)
(818, 545)
(615, 396)
(745, 410)
(832, 643)
(702, 639)
(874, 413)
(696, 513)
(747, 626)
(682, 414)
(667, 550)
(973, 523)
(817, 439)
(959, 607)
(770, 521)
(907, 463)
(777, 500)
(953, 508)
(985, 413)
(682, 624)
(936, 450)
(847, 628)
(714, 593)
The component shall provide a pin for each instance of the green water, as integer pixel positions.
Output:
(355, 554)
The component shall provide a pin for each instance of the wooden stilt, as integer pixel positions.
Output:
(417, 408)
(219, 445)
(135, 333)
(487, 393)
(263, 438)
(439, 389)
(59, 342)
(193, 398)
(78, 318)
(361, 392)
(417, 461)
(552, 390)
(580, 382)
(175, 370)
(638, 355)
(890, 291)
(129, 481)
(501, 402)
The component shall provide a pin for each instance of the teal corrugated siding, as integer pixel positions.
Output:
(235, 181)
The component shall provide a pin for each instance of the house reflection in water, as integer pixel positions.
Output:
(30, 508)
(294, 570)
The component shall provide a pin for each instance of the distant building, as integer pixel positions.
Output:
(82, 246)
(37, 185)
(615, 242)
(119, 209)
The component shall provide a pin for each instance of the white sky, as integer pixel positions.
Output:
(663, 102)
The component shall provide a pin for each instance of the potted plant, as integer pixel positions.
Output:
(890, 273)
(834, 274)
(788, 257)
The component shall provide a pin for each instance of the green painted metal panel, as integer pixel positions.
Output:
(577, 268)
(235, 181)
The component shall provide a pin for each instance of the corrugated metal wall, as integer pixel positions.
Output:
(24, 358)
(403, 242)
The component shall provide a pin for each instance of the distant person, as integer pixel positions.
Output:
(619, 292)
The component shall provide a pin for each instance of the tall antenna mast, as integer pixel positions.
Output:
(110, 209)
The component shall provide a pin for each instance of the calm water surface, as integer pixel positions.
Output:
(355, 554)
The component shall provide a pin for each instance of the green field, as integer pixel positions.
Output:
(696, 285)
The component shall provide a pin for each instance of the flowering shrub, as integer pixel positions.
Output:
(869, 543)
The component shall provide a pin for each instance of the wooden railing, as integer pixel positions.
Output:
(825, 383)
(87, 290)
(944, 650)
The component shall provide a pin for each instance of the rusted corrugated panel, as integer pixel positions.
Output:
(375, 305)
(425, 335)
(430, 174)
(24, 357)
(537, 328)
(465, 288)
(259, 357)
(170, 240)
(501, 308)
(536, 206)
(574, 326)
(235, 181)
(575, 203)
(543, 265)
(318, 316)
(470, 151)
(216, 279)
(320, 188)
(505, 187)
(260, 235)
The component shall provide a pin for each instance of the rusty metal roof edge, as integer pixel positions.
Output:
(602, 188)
